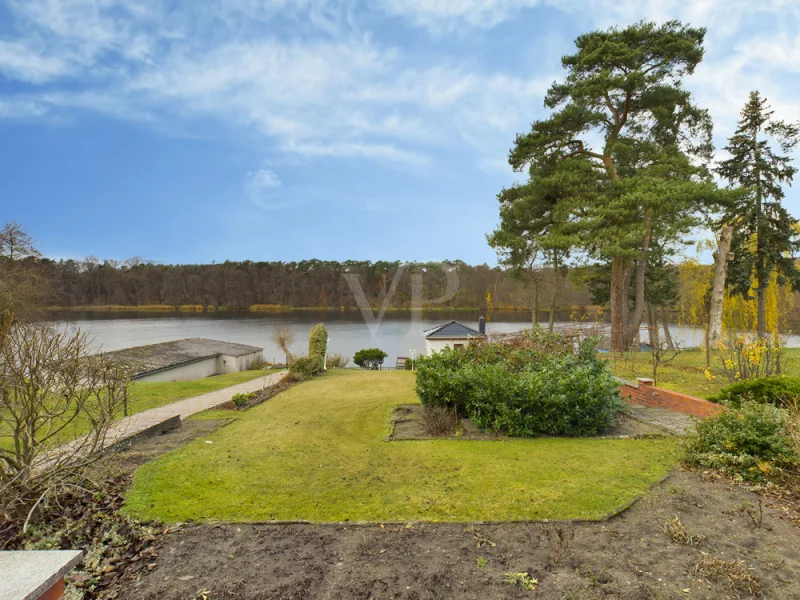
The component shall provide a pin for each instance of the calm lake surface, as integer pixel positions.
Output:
(398, 334)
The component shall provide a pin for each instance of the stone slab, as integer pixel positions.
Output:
(26, 575)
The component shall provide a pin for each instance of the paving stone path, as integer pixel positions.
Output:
(128, 427)
(673, 422)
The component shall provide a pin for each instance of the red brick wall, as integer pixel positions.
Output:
(54, 593)
(647, 395)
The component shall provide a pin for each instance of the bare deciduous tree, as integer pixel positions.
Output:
(15, 243)
(283, 337)
(57, 404)
(662, 351)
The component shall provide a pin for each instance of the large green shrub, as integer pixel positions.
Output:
(438, 385)
(765, 390)
(537, 383)
(317, 341)
(306, 366)
(369, 358)
(562, 396)
(751, 441)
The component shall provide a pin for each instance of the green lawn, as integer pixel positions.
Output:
(317, 452)
(686, 372)
(146, 395)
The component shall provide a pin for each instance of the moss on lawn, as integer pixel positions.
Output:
(317, 452)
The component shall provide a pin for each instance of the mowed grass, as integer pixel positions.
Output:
(318, 452)
(146, 395)
(685, 373)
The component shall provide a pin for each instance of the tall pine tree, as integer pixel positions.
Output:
(765, 235)
(623, 109)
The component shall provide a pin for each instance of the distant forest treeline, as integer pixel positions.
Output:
(304, 284)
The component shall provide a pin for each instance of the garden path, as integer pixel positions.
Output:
(128, 427)
(674, 422)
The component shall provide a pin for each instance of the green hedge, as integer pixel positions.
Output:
(751, 442)
(538, 385)
(317, 341)
(765, 390)
(306, 366)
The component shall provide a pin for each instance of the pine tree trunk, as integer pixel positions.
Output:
(762, 310)
(761, 276)
(718, 292)
(652, 325)
(665, 325)
(635, 321)
(535, 313)
(554, 297)
(617, 303)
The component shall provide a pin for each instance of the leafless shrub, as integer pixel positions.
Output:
(292, 376)
(756, 513)
(438, 420)
(57, 404)
(337, 361)
(560, 540)
(677, 532)
(792, 406)
(662, 351)
(283, 337)
(735, 573)
(259, 364)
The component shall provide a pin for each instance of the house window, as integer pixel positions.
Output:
(457, 346)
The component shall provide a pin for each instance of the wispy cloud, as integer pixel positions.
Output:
(260, 186)
(310, 78)
(18, 61)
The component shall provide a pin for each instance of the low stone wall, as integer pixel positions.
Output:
(643, 392)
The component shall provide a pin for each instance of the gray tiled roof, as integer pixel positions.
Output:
(451, 331)
(156, 357)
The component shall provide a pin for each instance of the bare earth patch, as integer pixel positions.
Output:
(629, 557)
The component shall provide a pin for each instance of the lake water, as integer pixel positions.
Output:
(398, 334)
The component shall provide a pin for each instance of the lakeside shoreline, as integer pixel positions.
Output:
(272, 308)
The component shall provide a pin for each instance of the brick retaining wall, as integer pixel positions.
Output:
(645, 394)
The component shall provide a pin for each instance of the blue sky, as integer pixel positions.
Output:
(287, 129)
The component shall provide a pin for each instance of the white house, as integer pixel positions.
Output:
(453, 335)
(185, 360)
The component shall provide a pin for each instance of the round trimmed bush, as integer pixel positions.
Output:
(764, 390)
(369, 358)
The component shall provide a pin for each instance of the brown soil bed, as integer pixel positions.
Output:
(260, 396)
(116, 549)
(407, 425)
(628, 557)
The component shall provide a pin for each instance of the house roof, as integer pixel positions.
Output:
(167, 355)
(451, 331)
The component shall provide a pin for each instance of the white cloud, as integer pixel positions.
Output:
(260, 186)
(263, 180)
(322, 86)
(448, 15)
(18, 61)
